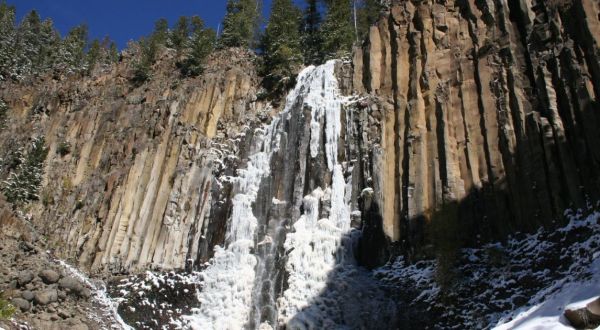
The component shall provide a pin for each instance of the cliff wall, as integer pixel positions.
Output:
(130, 172)
(491, 115)
(473, 118)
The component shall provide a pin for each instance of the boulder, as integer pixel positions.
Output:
(70, 283)
(27, 295)
(49, 276)
(24, 277)
(21, 303)
(84, 293)
(45, 297)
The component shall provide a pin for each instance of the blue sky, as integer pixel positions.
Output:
(122, 20)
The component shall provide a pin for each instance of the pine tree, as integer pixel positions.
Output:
(241, 23)
(7, 41)
(201, 45)
(367, 12)
(113, 53)
(281, 47)
(312, 39)
(50, 43)
(24, 181)
(28, 44)
(180, 35)
(94, 55)
(338, 29)
(71, 57)
(3, 113)
(145, 60)
(161, 31)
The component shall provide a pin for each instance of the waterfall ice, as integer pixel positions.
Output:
(313, 245)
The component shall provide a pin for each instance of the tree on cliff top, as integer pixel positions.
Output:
(240, 24)
(72, 51)
(201, 44)
(367, 14)
(312, 38)
(179, 37)
(338, 29)
(281, 47)
(7, 41)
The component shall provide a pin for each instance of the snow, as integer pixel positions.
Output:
(567, 293)
(548, 314)
(108, 306)
(313, 247)
(524, 283)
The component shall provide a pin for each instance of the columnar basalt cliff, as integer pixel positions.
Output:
(490, 113)
(133, 188)
(455, 123)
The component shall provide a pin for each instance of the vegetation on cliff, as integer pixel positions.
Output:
(34, 47)
(26, 173)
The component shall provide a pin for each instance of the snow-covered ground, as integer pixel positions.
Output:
(525, 283)
(573, 293)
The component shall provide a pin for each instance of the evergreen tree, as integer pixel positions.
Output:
(71, 57)
(180, 35)
(200, 46)
(281, 47)
(3, 112)
(161, 31)
(24, 181)
(367, 12)
(28, 44)
(113, 53)
(241, 23)
(94, 55)
(338, 29)
(146, 58)
(50, 43)
(312, 39)
(7, 41)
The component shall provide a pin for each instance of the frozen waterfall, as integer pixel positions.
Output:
(238, 276)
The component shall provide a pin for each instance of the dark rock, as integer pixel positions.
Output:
(45, 297)
(27, 295)
(84, 293)
(70, 283)
(24, 277)
(21, 303)
(49, 276)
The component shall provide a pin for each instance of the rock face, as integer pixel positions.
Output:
(458, 121)
(135, 185)
(490, 114)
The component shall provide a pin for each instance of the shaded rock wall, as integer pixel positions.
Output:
(490, 113)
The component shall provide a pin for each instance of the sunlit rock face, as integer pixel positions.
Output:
(455, 121)
(141, 176)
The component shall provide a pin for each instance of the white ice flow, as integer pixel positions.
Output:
(314, 245)
(227, 283)
(108, 307)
